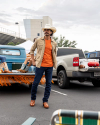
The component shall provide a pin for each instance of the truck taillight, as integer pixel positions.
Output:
(76, 61)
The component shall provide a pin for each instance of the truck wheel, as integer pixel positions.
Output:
(63, 81)
(96, 82)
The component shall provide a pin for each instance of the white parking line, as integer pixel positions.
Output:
(55, 91)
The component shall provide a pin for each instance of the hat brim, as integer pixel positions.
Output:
(53, 29)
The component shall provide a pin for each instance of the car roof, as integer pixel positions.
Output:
(11, 47)
(68, 48)
(92, 52)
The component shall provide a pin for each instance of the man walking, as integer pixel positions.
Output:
(45, 61)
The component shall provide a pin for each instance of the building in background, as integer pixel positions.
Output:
(33, 27)
(7, 36)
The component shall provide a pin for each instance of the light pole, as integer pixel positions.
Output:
(18, 28)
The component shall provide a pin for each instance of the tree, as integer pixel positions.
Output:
(68, 43)
(86, 51)
(62, 42)
(17, 43)
(59, 41)
(56, 40)
(13, 44)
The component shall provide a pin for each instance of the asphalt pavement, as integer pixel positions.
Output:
(15, 100)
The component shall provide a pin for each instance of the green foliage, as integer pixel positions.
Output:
(62, 42)
(86, 51)
(68, 43)
(17, 43)
(13, 44)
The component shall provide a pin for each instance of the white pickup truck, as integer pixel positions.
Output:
(72, 65)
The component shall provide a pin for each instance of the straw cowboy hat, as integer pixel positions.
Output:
(48, 26)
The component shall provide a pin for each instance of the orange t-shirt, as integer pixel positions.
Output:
(47, 58)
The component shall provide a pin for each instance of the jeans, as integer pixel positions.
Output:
(3, 59)
(38, 75)
(34, 69)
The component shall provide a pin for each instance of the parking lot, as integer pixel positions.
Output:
(15, 108)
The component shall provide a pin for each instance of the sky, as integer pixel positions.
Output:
(77, 20)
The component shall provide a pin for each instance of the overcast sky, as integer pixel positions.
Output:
(77, 20)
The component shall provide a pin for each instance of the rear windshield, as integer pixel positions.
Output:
(9, 52)
(68, 51)
(92, 55)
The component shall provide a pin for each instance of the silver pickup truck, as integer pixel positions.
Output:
(69, 61)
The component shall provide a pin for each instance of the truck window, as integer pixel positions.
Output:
(68, 51)
(98, 54)
(86, 55)
(93, 55)
(9, 52)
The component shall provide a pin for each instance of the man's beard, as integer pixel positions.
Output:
(46, 34)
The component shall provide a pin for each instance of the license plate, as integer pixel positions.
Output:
(96, 73)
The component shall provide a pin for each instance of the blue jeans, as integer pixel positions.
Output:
(3, 59)
(34, 69)
(38, 75)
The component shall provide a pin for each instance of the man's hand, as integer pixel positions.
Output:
(33, 62)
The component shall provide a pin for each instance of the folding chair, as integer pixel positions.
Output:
(66, 117)
(89, 118)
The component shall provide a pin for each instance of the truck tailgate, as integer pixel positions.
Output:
(85, 63)
(6, 79)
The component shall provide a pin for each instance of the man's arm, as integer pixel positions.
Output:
(56, 48)
(34, 46)
(33, 60)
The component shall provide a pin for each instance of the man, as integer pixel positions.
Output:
(27, 63)
(45, 61)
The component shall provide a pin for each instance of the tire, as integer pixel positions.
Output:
(96, 82)
(62, 80)
(16, 84)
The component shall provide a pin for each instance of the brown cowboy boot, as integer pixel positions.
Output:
(7, 71)
(22, 67)
(45, 105)
(32, 103)
(19, 70)
(23, 71)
